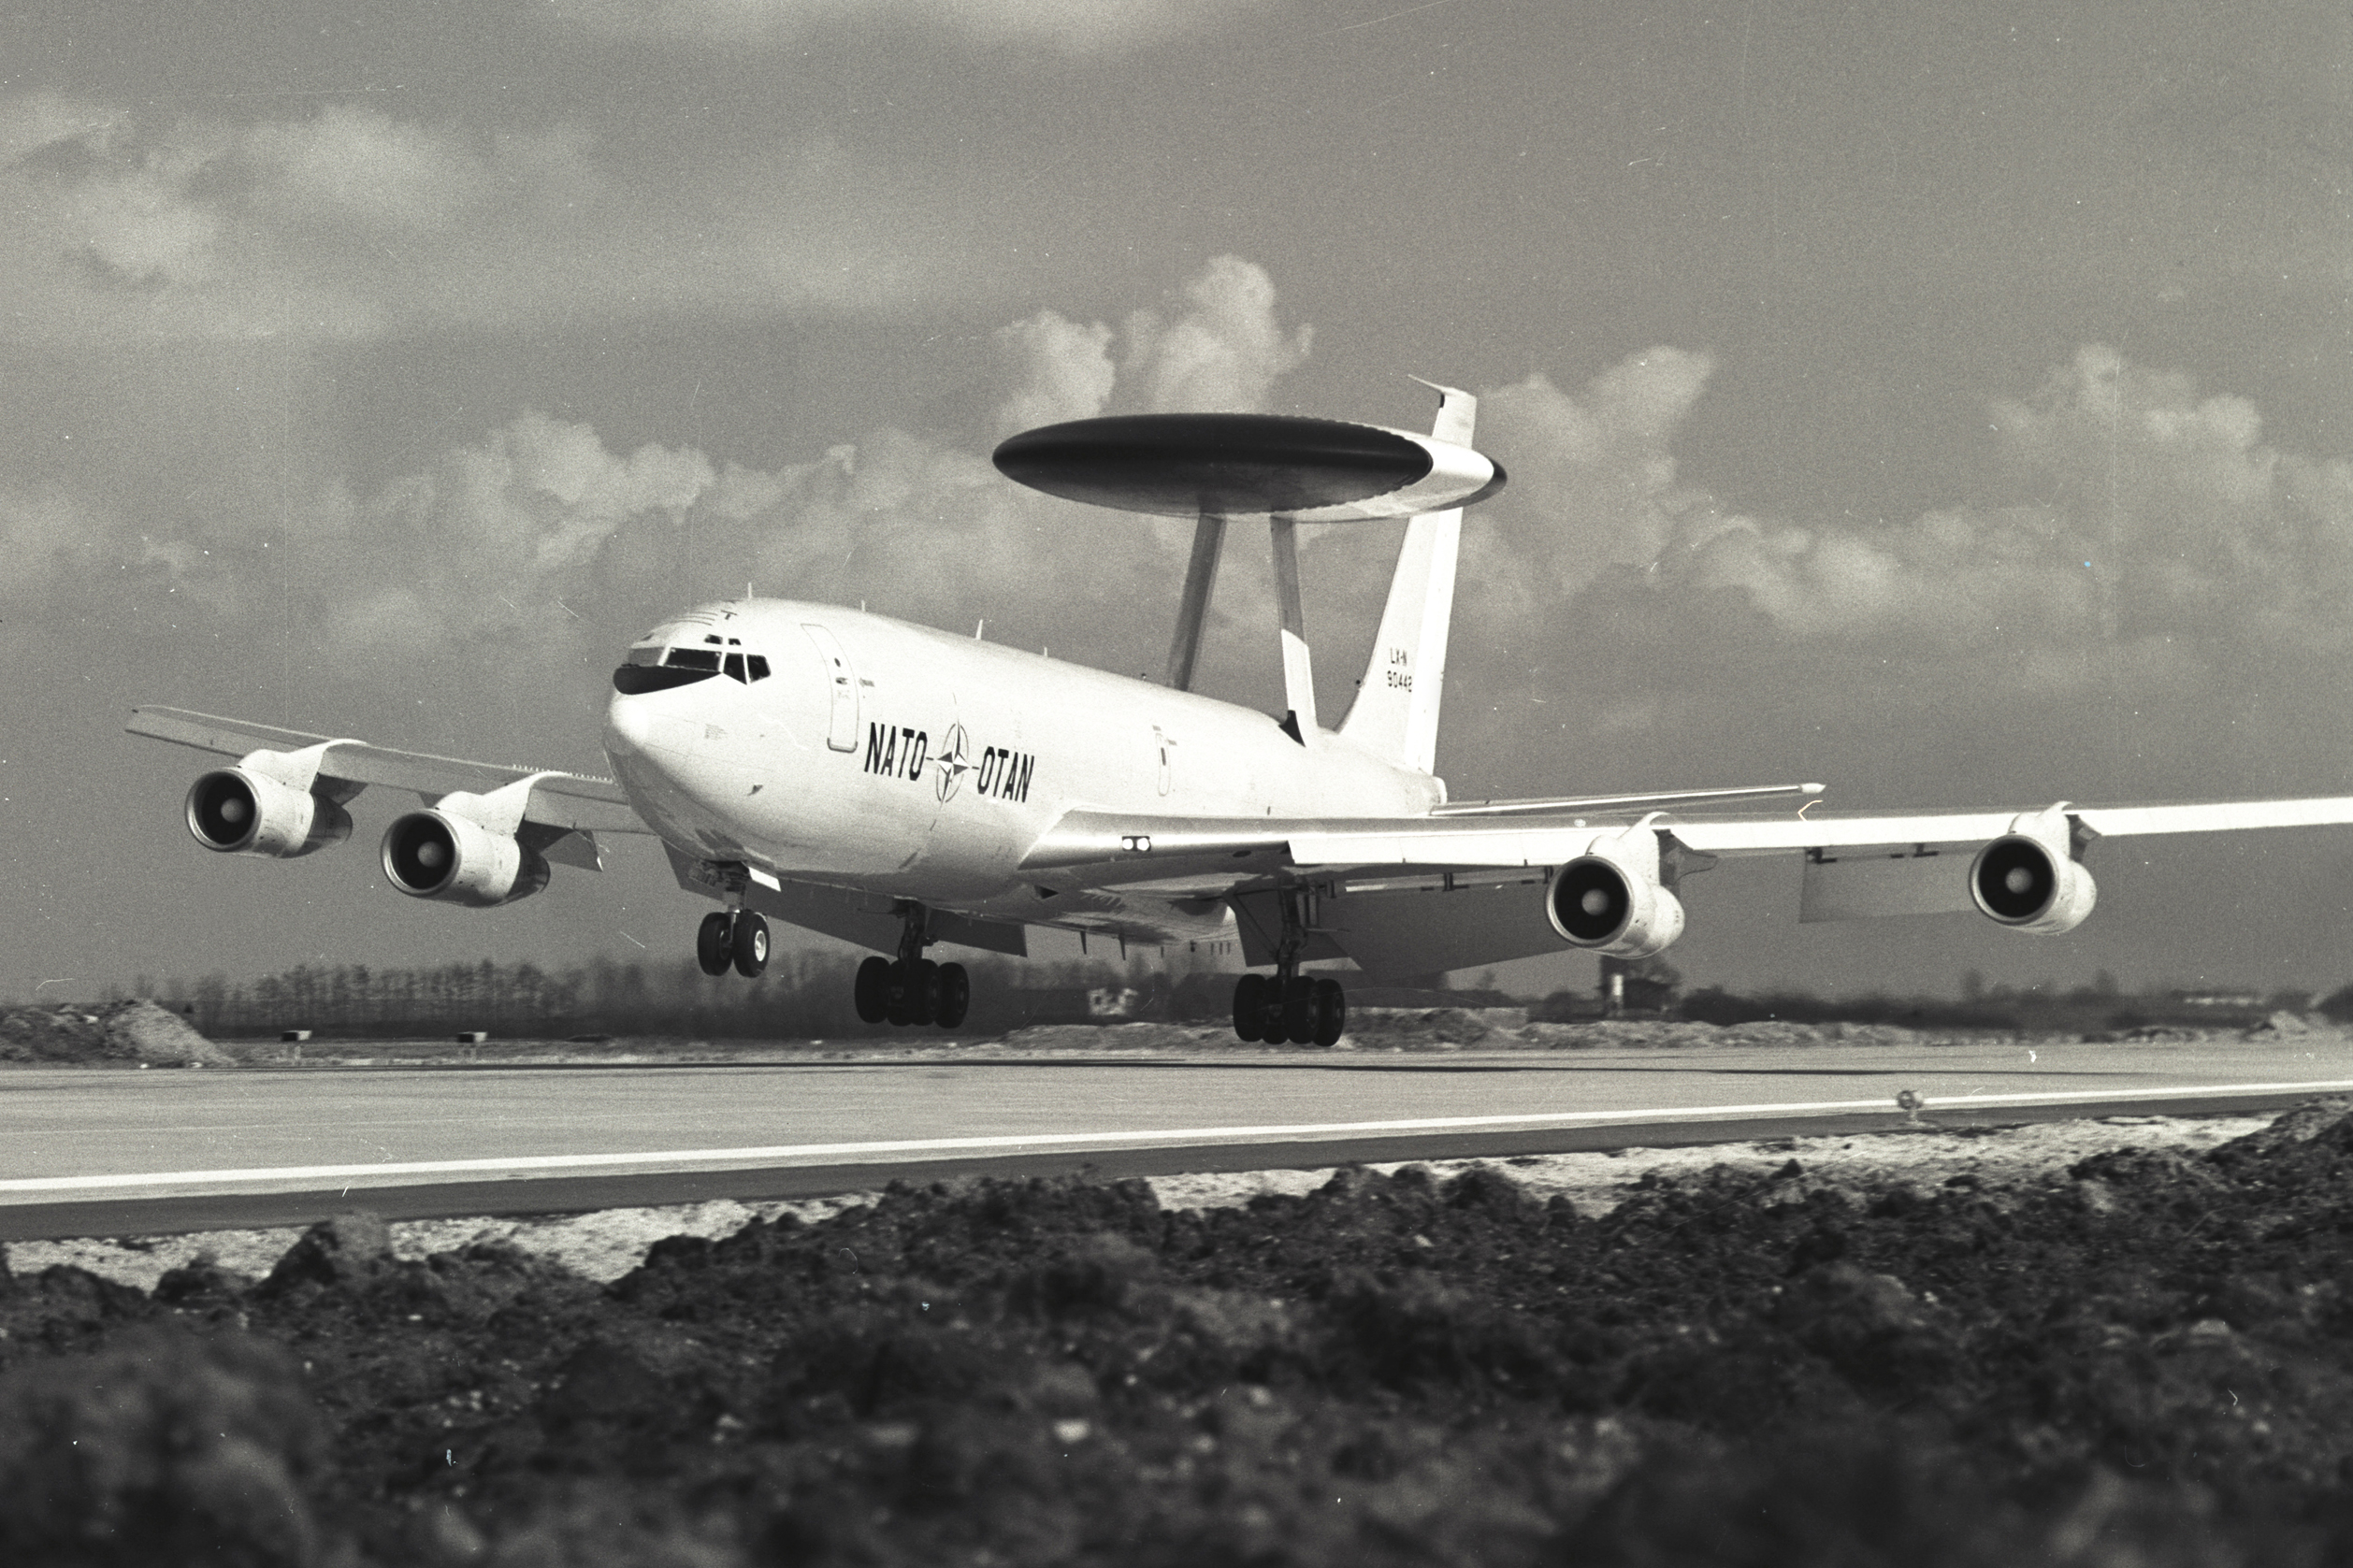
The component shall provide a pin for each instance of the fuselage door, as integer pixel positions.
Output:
(842, 729)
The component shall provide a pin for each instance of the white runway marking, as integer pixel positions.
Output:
(1145, 1137)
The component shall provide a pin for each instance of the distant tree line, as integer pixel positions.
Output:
(803, 993)
(807, 994)
(1652, 987)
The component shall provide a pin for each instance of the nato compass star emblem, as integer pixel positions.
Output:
(951, 763)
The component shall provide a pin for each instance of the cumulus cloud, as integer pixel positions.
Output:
(2139, 557)
(1220, 354)
(355, 165)
(1071, 26)
(1058, 371)
(933, 533)
(527, 551)
(346, 222)
(496, 537)
(1592, 477)
(2159, 513)
(2155, 512)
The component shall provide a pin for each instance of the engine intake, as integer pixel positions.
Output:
(236, 810)
(436, 855)
(1599, 903)
(2018, 882)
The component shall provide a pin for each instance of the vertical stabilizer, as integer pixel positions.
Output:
(1396, 714)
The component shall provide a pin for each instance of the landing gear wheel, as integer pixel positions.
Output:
(1250, 1007)
(750, 942)
(871, 993)
(926, 992)
(955, 994)
(904, 977)
(1299, 1015)
(1331, 1012)
(714, 944)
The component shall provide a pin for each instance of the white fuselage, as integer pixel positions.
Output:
(902, 760)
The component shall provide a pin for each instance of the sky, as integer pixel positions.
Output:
(1953, 405)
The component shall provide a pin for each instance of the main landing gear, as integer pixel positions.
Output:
(1287, 1005)
(1302, 1009)
(912, 989)
(732, 938)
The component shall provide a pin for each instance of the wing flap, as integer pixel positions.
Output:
(1459, 843)
(1615, 802)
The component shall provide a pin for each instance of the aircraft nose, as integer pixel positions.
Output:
(628, 727)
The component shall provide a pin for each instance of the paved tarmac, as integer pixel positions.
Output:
(111, 1152)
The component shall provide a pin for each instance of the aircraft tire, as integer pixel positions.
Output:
(1250, 1007)
(872, 991)
(901, 1011)
(956, 996)
(1331, 1012)
(750, 943)
(924, 995)
(715, 943)
(1299, 1011)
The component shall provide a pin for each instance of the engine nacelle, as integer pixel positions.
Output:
(2020, 883)
(1600, 902)
(435, 854)
(237, 811)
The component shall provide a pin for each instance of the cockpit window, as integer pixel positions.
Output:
(653, 670)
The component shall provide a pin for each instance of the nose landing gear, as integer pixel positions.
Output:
(912, 989)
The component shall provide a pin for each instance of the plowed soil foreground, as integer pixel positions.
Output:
(2145, 1360)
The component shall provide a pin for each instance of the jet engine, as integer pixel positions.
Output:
(2020, 882)
(1601, 903)
(434, 853)
(237, 811)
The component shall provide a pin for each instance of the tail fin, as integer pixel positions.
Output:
(1396, 714)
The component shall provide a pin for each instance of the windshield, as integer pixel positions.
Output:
(656, 669)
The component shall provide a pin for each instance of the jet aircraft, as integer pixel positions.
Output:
(898, 786)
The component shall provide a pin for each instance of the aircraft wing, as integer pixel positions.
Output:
(1375, 879)
(1112, 848)
(576, 802)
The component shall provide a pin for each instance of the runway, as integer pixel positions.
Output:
(105, 1153)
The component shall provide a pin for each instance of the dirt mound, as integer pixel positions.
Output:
(129, 1033)
(2145, 1359)
(1411, 1028)
(1081, 1039)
